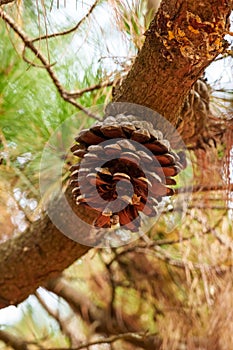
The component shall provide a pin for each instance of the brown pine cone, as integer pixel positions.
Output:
(195, 112)
(126, 168)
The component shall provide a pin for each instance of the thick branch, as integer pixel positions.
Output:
(182, 40)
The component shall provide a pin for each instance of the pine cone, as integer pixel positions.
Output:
(195, 112)
(126, 168)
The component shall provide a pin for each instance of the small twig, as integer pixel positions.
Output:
(85, 110)
(113, 290)
(54, 314)
(199, 188)
(32, 63)
(161, 254)
(78, 93)
(220, 239)
(109, 340)
(71, 30)
(78, 302)
(29, 44)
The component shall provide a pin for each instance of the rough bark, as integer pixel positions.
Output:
(183, 39)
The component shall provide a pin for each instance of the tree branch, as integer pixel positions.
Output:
(46, 65)
(78, 302)
(55, 314)
(99, 316)
(71, 30)
(109, 340)
(182, 40)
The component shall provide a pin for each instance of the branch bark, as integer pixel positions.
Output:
(183, 39)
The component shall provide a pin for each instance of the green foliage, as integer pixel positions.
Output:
(31, 110)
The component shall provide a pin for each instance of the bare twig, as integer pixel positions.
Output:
(92, 314)
(78, 93)
(29, 44)
(200, 188)
(71, 30)
(125, 336)
(163, 255)
(55, 314)
(32, 63)
(78, 302)
(154, 249)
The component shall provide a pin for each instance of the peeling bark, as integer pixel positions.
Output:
(182, 40)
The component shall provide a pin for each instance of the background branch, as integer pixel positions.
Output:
(99, 317)
(5, 2)
(109, 340)
(55, 314)
(46, 65)
(16, 342)
(71, 30)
